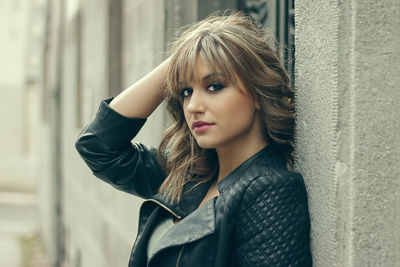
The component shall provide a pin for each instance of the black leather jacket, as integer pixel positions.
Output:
(260, 217)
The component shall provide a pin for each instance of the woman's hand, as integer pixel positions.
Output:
(141, 98)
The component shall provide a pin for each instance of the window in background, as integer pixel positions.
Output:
(278, 15)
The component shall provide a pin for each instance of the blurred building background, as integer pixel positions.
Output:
(20, 89)
(60, 58)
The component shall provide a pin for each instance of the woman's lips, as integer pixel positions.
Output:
(201, 126)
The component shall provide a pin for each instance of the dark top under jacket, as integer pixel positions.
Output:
(260, 217)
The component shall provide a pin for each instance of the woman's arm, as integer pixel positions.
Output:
(141, 98)
(273, 226)
(105, 143)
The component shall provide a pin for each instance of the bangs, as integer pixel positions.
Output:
(217, 57)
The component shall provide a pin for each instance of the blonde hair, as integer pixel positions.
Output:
(228, 44)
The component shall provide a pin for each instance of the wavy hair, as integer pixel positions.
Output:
(228, 44)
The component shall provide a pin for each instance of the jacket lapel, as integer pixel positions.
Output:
(190, 200)
(195, 226)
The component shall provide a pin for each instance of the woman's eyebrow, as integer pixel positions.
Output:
(212, 75)
(209, 76)
(182, 84)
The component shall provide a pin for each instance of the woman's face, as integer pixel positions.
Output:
(218, 113)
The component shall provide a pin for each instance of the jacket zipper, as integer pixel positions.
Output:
(179, 256)
(165, 207)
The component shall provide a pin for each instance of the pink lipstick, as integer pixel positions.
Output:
(200, 126)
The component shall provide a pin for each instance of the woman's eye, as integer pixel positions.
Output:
(186, 92)
(214, 87)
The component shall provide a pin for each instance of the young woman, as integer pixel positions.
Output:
(219, 191)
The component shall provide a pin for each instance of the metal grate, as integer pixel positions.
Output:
(277, 15)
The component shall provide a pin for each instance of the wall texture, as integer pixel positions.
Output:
(20, 91)
(347, 56)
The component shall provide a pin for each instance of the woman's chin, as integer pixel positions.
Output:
(206, 145)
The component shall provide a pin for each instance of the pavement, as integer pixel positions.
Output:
(20, 244)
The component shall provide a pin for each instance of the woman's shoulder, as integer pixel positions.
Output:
(271, 181)
(274, 210)
(264, 173)
(262, 184)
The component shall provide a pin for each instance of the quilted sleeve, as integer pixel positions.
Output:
(273, 226)
(105, 145)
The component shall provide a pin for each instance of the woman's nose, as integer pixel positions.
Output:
(196, 103)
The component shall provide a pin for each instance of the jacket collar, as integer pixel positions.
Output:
(196, 223)
(191, 199)
(195, 226)
(249, 166)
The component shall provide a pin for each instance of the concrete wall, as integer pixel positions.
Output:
(347, 60)
(13, 19)
(50, 178)
(18, 134)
